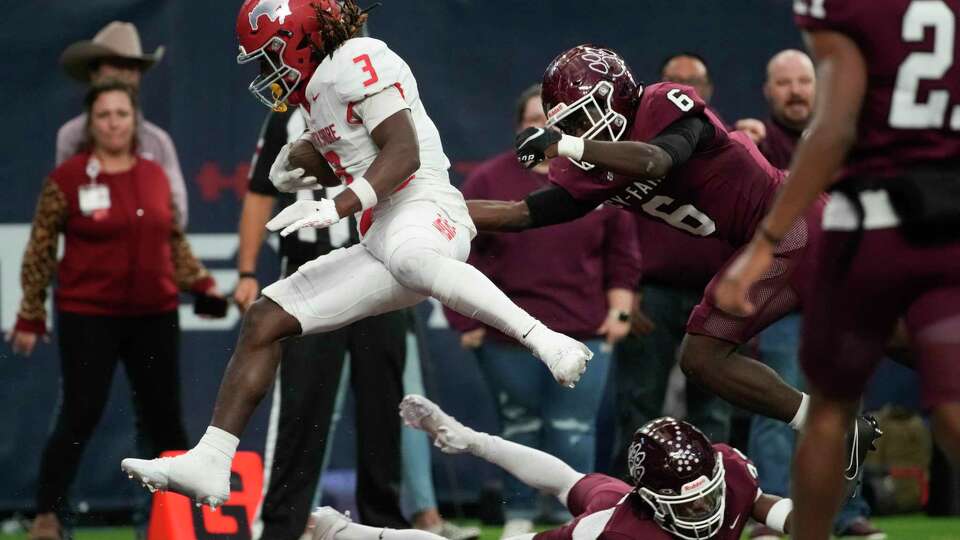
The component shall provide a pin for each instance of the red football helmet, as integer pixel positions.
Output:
(589, 92)
(278, 33)
(679, 474)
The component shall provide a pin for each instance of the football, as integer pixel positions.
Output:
(303, 154)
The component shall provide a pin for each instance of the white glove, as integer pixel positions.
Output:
(318, 214)
(286, 180)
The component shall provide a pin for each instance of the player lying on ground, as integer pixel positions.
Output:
(659, 152)
(683, 486)
(884, 139)
(365, 116)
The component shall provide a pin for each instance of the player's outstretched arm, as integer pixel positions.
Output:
(634, 159)
(499, 216)
(399, 157)
(775, 512)
(629, 158)
(542, 208)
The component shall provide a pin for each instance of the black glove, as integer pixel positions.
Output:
(532, 143)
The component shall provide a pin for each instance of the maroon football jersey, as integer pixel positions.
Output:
(674, 258)
(911, 111)
(722, 191)
(604, 507)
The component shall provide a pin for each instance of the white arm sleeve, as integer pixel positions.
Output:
(380, 106)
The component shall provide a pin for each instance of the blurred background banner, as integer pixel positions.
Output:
(471, 58)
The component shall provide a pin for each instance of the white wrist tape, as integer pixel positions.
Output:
(364, 192)
(571, 147)
(777, 516)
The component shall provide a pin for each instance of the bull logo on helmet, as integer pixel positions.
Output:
(273, 9)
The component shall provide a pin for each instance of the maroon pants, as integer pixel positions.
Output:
(854, 306)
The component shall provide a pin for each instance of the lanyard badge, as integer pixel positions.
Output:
(94, 198)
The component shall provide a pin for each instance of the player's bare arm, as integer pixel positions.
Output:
(775, 512)
(499, 216)
(842, 79)
(399, 157)
(542, 208)
(629, 158)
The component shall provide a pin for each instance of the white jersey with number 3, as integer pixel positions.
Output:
(359, 68)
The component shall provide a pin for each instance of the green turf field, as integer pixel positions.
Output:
(898, 528)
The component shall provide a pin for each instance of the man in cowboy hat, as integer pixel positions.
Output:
(115, 53)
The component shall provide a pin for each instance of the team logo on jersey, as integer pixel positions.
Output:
(274, 10)
(604, 62)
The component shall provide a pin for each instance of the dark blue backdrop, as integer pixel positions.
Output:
(471, 58)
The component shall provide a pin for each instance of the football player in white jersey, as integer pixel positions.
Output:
(365, 116)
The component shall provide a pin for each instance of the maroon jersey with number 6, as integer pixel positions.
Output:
(722, 191)
(605, 508)
(911, 111)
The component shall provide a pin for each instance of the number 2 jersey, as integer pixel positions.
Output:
(911, 110)
(360, 68)
(723, 189)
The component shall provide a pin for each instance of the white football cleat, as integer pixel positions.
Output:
(448, 434)
(565, 357)
(325, 522)
(202, 476)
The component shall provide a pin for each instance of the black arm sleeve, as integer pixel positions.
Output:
(553, 205)
(273, 135)
(682, 137)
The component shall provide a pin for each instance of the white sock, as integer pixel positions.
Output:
(801, 417)
(222, 441)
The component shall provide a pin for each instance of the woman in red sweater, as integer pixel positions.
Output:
(125, 258)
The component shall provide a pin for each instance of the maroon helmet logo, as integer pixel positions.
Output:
(273, 9)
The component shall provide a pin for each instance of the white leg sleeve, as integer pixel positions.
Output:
(355, 531)
(430, 264)
(537, 469)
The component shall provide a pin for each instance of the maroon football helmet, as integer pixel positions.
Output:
(679, 474)
(278, 33)
(589, 92)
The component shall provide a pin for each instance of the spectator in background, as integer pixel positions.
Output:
(672, 284)
(115, 53)
(688, 68)
(578, 278)
(790, 89)
(125, 258)
(307, 382)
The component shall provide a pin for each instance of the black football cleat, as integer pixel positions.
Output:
(860, 441)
